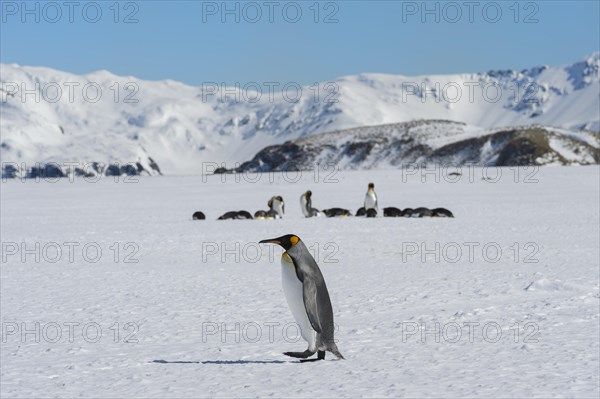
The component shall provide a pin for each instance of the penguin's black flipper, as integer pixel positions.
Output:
(309, 294)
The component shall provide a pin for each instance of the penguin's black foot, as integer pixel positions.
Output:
(300, 355)
(320, 356)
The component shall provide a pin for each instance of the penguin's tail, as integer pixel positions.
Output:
(336, 352)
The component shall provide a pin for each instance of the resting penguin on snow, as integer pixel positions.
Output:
(235, 215)
(307, 297)
(407, 212)
(334, 212)
(422, 212)
(260, 214)
(276, 209)
(392, 212)
(441, 213)
(244, 215)
(198, 216)
(306, 205)
(370, 213)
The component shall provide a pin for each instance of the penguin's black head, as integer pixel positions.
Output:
(371, 186)
(308, 193)
(286, 241)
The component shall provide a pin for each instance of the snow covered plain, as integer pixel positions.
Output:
(528, 318)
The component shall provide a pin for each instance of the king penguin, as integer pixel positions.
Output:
(276, 207)
(371, 198)
(306, 205)
(307, 297)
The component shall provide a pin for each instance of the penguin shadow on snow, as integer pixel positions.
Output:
(162, 361)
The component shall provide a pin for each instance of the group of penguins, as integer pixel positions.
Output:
(370, 209)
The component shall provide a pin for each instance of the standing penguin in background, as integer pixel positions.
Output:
(306, 205)
(307, 297)
(276, 207)
(371, 198)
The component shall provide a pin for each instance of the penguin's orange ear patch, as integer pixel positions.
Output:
(294, 240)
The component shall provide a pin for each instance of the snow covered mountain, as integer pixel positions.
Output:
(428, 142)
(127, 125)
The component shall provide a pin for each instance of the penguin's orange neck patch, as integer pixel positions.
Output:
(294, 240)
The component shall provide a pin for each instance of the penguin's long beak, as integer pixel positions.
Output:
(270, 241)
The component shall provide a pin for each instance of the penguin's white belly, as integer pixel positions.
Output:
(303, 206)
(292, 288)
(370, 200)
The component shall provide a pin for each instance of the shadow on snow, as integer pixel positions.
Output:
(161, 361)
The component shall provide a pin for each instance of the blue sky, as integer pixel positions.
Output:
(188, 40)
